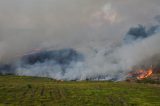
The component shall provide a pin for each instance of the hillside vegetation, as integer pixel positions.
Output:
(33, 91)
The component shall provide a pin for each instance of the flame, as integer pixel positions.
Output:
(141, 73)
(144, 73)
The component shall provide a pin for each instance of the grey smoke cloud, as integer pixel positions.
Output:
(26, 24)
(94, 28)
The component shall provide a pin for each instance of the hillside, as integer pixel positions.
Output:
(33, 91)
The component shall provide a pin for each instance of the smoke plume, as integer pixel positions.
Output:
(78, 40)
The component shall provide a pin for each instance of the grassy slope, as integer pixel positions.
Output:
(46, 92)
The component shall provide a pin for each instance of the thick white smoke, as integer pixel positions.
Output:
(94, 28)
(106, 64)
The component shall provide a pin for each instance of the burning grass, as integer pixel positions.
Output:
(18, 90)
(141, 74)
(150, 75)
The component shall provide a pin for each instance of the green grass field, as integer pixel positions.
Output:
(32, 91)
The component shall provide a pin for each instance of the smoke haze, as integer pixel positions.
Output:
(101, 31)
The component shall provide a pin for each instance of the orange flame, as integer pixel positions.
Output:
(144, 73)
(141, 73)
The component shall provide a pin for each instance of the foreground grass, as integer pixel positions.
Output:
(31, 91)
